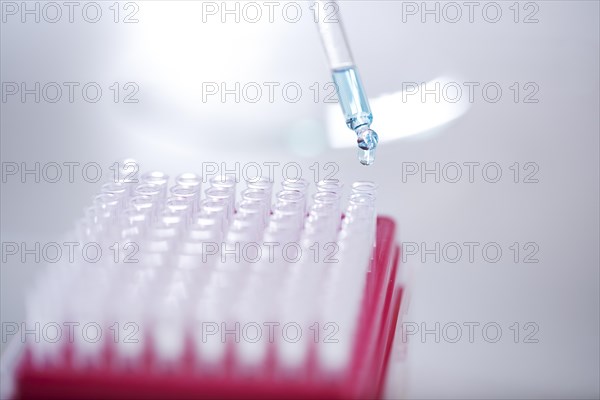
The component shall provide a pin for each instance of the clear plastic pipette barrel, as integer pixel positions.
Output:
(351, 94)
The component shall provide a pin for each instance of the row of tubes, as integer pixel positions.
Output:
(171, 223)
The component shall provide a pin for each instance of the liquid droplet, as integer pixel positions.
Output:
(367, 140)
(366, 157)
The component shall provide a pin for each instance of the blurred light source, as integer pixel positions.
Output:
(181, 48)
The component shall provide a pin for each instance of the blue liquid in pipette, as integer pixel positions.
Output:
(357, 112)
(352, 97)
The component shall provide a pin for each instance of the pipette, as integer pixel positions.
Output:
(351, 94)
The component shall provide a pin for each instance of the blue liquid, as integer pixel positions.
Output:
(352, 97)
(357, 112)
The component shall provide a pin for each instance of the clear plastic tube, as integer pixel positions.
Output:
(214, 210)
(328, 198)
(330, 185)
(224, 194)
(180, 281)
(261, 183)
(189, 179)
(299, 185)
(149, 190)
(259, 196)
(142, 203)
(190, 193)
(133, 223)
(157, 178)
(293, 212)
(116, 188)
(253, 208)
(364, 187)
(107, 208)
